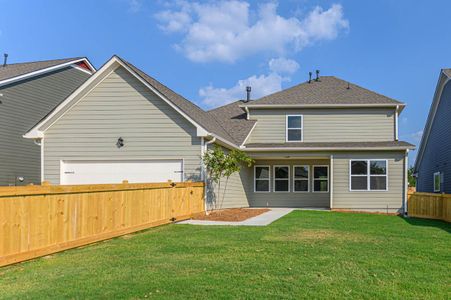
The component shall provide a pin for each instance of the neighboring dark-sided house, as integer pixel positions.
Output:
(28, 92)
(433, 163)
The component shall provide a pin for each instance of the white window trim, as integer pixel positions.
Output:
(313, 178)
(308, 179)
(368, 175)
(269, 178)
(302, 128)
(440, 182)
(274, 178)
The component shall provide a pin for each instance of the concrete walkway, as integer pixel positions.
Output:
(260, 220)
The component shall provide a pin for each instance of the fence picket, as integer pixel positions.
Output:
(39, 220)
(429, 206)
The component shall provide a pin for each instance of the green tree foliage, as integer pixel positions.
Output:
(412, 181)
(221, 165)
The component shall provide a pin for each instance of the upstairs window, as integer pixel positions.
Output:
(437, 181)
(294, 128)
(368, 175)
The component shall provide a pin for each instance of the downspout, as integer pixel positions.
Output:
(331, 182)
(248, 114)
(40, 143)
(204, 173)
(406, 181)
(396, 122)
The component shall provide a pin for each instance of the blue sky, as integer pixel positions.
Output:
(208, 51)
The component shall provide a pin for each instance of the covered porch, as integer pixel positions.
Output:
(290, 180)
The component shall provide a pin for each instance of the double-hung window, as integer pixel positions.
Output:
(321, 179)
(281, 178)
(294, 131)
(437, 181)
(301, 178)
(261, 179)
(368, 175)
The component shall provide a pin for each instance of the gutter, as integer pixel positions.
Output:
(400, 105)
(326, 148)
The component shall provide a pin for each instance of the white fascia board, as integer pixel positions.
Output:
(248, 135)
(326, 148)
(46, 70)
(401, 105)
(201, 131)
(38, 130)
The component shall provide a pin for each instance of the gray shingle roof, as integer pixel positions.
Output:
(193, 111)
(18, 69)
(233, 119)
(329, 90)
(362, 145)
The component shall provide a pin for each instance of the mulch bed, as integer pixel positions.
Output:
(231, 214)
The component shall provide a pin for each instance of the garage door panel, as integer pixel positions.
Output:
(136, 171)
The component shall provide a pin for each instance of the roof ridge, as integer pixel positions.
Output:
(330, 90)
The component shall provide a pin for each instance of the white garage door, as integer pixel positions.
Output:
(142, 171)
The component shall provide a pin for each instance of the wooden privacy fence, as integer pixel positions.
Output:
(39, 220)
(429, 206)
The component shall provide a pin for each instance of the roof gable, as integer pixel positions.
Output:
(204, 123)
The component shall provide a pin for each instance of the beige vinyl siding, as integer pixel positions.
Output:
(24, 103)
(121, 106)
(382, 201)
(320, 125)
(232, 192)
(289, 199)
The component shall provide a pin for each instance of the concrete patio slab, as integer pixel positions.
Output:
(260, 220)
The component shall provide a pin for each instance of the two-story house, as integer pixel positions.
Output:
(324, 143)
(28, 91)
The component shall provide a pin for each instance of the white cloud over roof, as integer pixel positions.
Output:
(223, 30)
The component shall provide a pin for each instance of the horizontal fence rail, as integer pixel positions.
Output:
(429, 206)
(39, 220)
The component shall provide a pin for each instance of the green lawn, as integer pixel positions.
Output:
(307, 254)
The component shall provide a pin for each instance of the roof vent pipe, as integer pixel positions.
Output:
(5, 60)
(309, 77)
(248, 93)
(317, 75)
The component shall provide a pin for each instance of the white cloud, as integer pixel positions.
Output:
(223, 30)
(261, 85)
(174, 21)
(283, 65)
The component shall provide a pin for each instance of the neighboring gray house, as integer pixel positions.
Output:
(433, 163)
(324, 143)
(28, 91)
